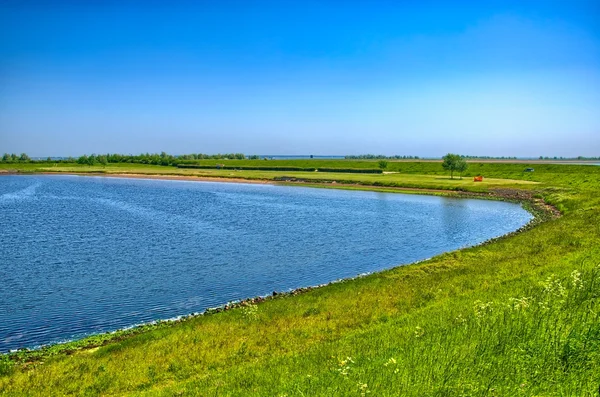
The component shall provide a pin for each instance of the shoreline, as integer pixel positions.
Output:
(158, 176)
(299, 182)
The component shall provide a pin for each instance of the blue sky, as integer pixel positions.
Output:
(417, 78)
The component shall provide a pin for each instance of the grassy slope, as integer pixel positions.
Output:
(508, 318)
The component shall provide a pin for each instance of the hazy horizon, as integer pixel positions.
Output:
(496, 79)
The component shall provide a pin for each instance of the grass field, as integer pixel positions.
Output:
(418, 175)
(517, 317)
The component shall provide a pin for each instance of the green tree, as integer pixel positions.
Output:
(24, 158)
(454, 162)
(82, 159)
(383, 164)
(461, 167)
(102, 160)
(6, 158)
(92, 159)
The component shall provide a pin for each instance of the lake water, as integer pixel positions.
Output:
(82, 255)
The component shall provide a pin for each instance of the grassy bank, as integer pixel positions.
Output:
(520, 316)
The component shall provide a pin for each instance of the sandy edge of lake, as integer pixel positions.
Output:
(159, 176)
(226, 179)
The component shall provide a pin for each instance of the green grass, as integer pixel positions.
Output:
(519, 316)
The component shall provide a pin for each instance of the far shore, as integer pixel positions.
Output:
(151, 176)
(226, 179)
(497, 193)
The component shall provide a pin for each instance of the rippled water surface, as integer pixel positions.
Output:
(82, 255)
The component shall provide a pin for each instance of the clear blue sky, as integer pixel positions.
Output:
(421, 78)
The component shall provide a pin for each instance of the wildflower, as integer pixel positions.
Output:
(250, 312)
(363, 388)
(520, 303)
(346, 361)
(419, 332)
(344, 366)
(576, 279)
(481, 309)
(553, 286)
(460, 319)
(391, 361)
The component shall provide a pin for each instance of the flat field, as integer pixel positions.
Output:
(518, 316)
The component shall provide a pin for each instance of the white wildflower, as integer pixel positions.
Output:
(553, 286)
(481, 309)
(520, 303)
(391, 361)
(419, 332)
(363, 388)
(250, 312)
(576, 279)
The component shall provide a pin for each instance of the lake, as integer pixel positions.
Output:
(83, 255)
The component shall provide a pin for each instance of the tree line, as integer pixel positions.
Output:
(379, 157)
(568, 158)
(13, 158)
(162, 158)
(466, 156)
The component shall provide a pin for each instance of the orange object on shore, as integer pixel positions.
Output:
(478, 179)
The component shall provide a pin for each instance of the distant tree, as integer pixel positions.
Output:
(254, 157)
(462, 167)
(102, 160)
(82, 159)
(24, 158)
(383, 164)
(454, 162)
(92, 159)
(14, 157)
(6, 158)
